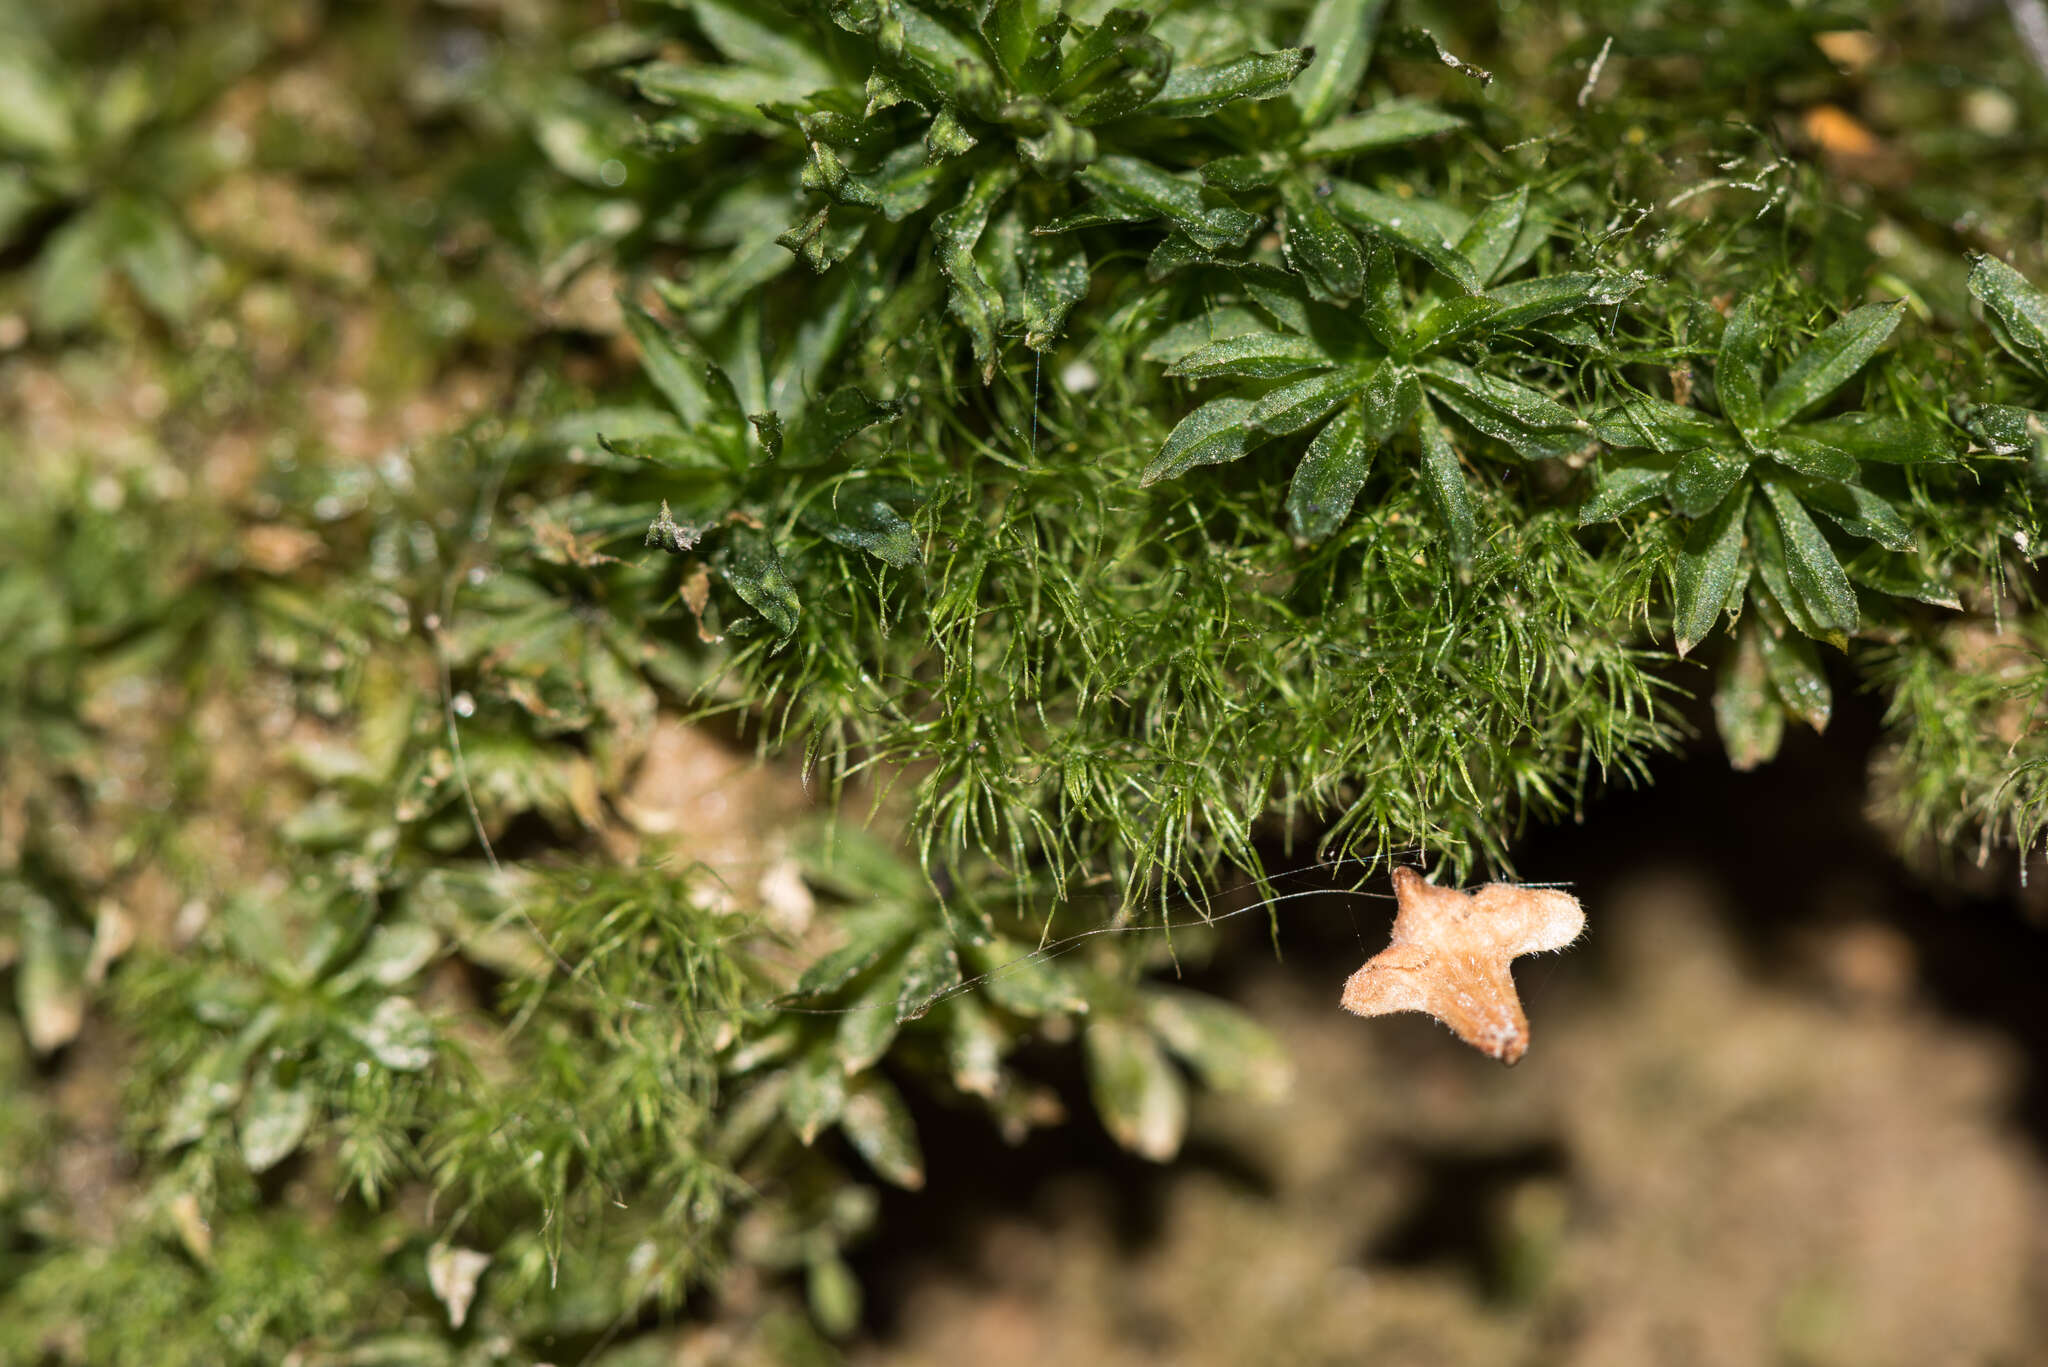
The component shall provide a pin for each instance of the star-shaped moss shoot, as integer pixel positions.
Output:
(1449, 957)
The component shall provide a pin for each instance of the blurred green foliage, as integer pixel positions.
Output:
(1095, 440)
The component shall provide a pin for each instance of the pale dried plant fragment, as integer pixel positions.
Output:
(1449, 957)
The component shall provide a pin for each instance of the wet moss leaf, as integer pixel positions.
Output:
(1295, 406)
(1829, 361)
(1702, 478)
(869, 937)
(1706, 571)
(398, 1035)
(865, 521)
(1401, 224)
(1021, 982)
(1747, 714)
(1882, 437)
(749, 563)
(1192, 91)
(878, 1125)
(1816, 574)
(1141, 1099)
(1813, 458)
(1140, 189)
(1858, 511)
(869, 1025)
(1384, 125)
(1340, 34)
(1487, 242)
(2020, 310)
(974, 1046)
(1659, 424)
(1327, 481)
(274, 1120)
(1739, 375)
(1228, 1049)
(1444, 481)
(816, 1095)
(1318, 246)
(930, 969)
(1257, 356)
(1795, 671)
(1620, 488)
(1220, 430)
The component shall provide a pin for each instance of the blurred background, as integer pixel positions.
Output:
(274, 278)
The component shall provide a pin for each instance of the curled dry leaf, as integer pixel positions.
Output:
(1449, 957)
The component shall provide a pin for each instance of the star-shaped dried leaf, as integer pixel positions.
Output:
(1449, 957)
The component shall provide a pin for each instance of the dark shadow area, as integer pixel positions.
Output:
(1790, 849)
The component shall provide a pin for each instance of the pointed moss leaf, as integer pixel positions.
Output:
(816, 1095)
(1739, 375)
(1388, 402)
(931, 56)
(273, 1121)
(1882, 437)
(2002, 428)
(863, 520)
(1747, 714)
(768, 431)
(974, 1046)
(1096, 51)
(878, 1125)
(1830, 360)
(1707, 567)
(677, 451)
(1816, 574)
(1015, 29)
(1448, 319)
(1901, 576)
(1659, 424)
(1796, 674)
(1444, 481)
(929, 971)
(212, 1084)
(1139, 1096)
(1146, 67)
(1062, 149)
(1809, 457)
(821, 242)
(1767, 556)
(1024, 983)
(1340, 33)
(674, 364)
(1420, 43)
(1192, 91)
(867, 1028)
(1487, 242)
(832, 1293)
(1381, 312)
(1702, 478)
(1526, 301)
(2019, 308)
(1858, 511)
(1259, 356)
(1530, 407)
(744, 34)
(1622, 488)
(974, 303)
(870, 936)
(1137, 187)
(946, 136)
(1327, 481)
(1400, 223)
(398, 1035)
(1220, 430)
(1384, 125)
(1244, 173)
(1295, 406)
(1285, 300)
(1321, 249)
(1217, 325)
(1225, 1046)
(1055, 279)
(828, 425)
(723, 97)
(749, 563)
